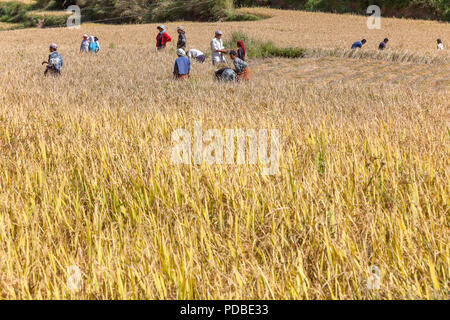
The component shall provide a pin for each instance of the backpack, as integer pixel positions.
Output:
(55, 61)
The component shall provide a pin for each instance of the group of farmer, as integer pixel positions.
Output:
(89, 44)
(383, 44)
(55, 62)
(182, 65)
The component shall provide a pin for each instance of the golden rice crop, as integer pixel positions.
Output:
(86, 177)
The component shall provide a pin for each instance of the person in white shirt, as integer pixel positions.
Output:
(440, 45)
(196, 54)
(217, 49)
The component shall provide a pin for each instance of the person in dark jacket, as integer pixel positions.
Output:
(162, 38)
(181, 44)
(241, 50)
(383, 44)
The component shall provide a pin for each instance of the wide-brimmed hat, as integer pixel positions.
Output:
(181, 52)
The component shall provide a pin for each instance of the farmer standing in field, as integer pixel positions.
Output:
(93, 45)
(241, 67)
(241, 50)
(54, 62)
(359, 44)
(162, 38)
(97, 44)
(383, 44)
(440, 45)
(181, 44)
(217, 49)
(84, 43)
(182, 66)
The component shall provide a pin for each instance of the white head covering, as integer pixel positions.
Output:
(54, 46)
(180, 52)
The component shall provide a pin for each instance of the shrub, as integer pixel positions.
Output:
(260, 49)
(13, 12)
(203, 10)
(243, 16)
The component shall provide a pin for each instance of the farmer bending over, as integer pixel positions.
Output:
(241, 67)
(383, 44)
(197, 55)
(359, 44)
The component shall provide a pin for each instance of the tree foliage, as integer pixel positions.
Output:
(438, 9)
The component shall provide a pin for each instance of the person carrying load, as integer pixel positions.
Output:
(55, 62)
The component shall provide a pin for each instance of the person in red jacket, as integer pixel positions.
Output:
(162, 38)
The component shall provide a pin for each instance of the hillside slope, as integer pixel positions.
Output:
(419, 9)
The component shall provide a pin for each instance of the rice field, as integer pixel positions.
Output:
(93, 207)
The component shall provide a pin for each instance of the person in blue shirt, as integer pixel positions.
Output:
(55, 62)
(97, 44)
(359, 44)
(182, 66)
(93, 45)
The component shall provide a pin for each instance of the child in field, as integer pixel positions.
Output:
(84, 44)
(359, 44)
(54, 62)
(440, 45)
(182, 66)
(383, 44)
(241, 67)
(197, 55)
